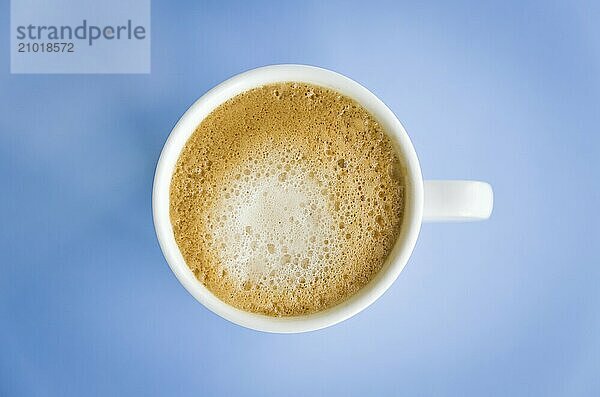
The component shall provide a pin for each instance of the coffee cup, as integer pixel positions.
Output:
(425, 201)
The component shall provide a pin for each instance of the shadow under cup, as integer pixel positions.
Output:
(413, 206)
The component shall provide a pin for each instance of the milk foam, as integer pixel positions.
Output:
(272, 226)
(287, 199)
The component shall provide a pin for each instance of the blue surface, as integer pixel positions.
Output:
(508, 93)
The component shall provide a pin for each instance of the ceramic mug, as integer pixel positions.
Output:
(455, 200)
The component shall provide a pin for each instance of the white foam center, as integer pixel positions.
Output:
(271, 228)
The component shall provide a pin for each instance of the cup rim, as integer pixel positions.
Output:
(233, 86)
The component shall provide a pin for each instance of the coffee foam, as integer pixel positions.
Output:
(287, 199)
(273, 227)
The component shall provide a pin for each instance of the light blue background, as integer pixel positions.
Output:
(507, 92)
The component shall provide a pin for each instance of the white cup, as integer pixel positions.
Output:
(425, 201)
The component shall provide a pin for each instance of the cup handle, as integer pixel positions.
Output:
(457, 201)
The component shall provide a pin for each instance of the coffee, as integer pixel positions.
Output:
(287, 199)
